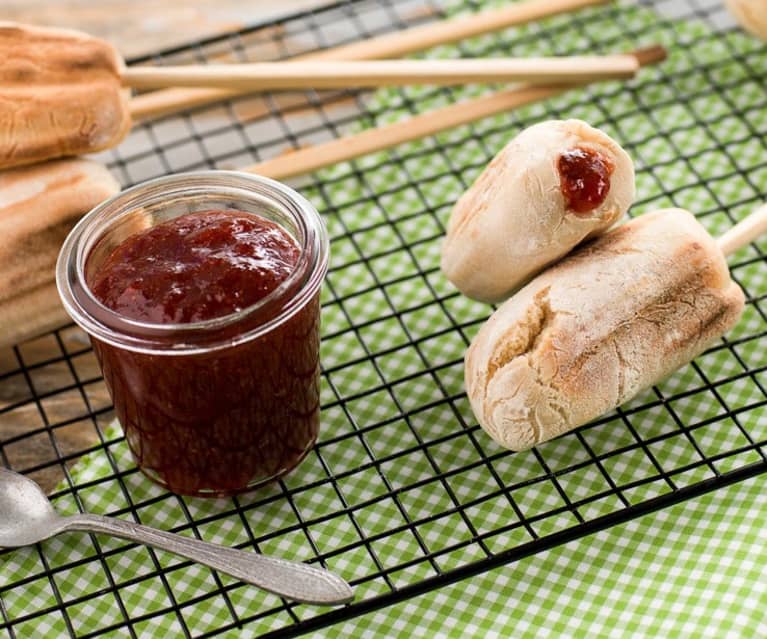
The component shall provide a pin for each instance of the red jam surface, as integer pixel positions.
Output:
(226, 420)
(584, 177)
(196, 267)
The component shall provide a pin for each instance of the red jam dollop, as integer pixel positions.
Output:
(584, 177)
(225, 420)
(196, 267)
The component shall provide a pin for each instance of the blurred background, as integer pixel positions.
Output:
(138, 27)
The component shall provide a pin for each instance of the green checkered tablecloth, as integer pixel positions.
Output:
(403, 486)
(698, 569)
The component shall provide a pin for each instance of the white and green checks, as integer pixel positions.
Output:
(694, 570)
(403, 486)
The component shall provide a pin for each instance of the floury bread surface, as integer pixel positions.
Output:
(616, 316)
(514, 220)
(752, 15)
(39, 205)
(60, 94)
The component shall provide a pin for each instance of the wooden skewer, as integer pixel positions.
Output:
(744, 232)
(312, 158)
(378, 73)
(390, 45)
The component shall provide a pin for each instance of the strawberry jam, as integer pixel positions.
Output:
(217, 421)
(196, 267)
(584, 177)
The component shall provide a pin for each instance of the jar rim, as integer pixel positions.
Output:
(109, 326)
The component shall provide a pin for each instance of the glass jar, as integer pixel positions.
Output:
(218, 406)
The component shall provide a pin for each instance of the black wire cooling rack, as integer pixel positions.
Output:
(404, 493)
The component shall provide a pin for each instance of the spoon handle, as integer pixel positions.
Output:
(290, 579)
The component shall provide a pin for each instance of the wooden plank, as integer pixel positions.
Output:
(139, 27)
(39, 387)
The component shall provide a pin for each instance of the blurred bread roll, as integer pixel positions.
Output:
(551, 187)
(751, 14)
(60, 94)
(39, 205)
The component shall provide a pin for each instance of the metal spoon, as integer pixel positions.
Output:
(27, 516)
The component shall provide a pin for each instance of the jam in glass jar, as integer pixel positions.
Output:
(200, 293)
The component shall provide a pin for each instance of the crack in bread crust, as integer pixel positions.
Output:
(520, 342)
(523, 337)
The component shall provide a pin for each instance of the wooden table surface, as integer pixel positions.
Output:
(138, 27)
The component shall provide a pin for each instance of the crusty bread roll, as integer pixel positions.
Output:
(751, 14)
(39, 205)
(31, 313)
(616, 316)
(515, 218)
(60, 94)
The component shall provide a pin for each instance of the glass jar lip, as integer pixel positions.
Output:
(107, 325)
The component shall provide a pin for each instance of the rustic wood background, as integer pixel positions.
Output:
(137, 27)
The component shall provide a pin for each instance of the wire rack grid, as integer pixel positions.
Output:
(403, 492)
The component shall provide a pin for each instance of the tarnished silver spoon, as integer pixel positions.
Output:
(27, 516)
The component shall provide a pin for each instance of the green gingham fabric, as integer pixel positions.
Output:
(391, 348)
(694, 570)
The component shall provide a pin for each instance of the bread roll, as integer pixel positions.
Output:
(516, 218)
(751, 14)
(31, 313)
(39, 205)
(616, 316)
(60, 94)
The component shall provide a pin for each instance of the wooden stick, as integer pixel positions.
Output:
(312, 158)
(390, 45)
(378, 73)
(744, 232)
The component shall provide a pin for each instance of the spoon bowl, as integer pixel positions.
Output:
(26, 514)
(27, 517)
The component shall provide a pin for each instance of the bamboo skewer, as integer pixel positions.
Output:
(744, 232)
(377, 73)
(390, 45)
(310, 159)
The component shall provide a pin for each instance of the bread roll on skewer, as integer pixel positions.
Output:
(554, 185)
(616, 316)
(60, 94)
(39, 205)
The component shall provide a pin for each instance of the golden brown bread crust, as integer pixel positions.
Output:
(616, 316)
(60, 94)
(39, 205)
